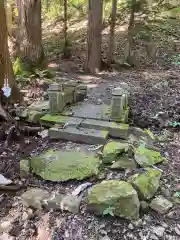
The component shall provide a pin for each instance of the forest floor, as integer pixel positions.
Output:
(154, 89)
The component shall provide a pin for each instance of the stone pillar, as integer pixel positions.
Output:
(56, 98)
(119, 105)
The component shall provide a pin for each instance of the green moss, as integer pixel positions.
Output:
(21, 68)
(146, 182)
(118, 195)
(112, 150)
(124, 163)
(55, 165)
(52, 119)
(120, 125)
(146, 157)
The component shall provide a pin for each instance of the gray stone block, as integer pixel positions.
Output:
(82, 135)
(116, 130)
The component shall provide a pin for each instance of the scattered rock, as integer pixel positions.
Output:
(165, 192)
(71, 203)
(177, 231)
(161, 205)
(53, 201)
(144, 206)
(159, 231)
(124, 163)
(146, 182)
(81, 188)
(112, 150)
(137, 223)
(119, 196)
(34, 197)
(4, 181)
(154, 237)
(105, 238)
(6, 236)
(24, 168)
(55, 165)
(5, 226)
(130, 226)
(146, 157)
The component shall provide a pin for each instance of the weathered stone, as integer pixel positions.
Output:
(40, 106)
(116, 130)
(112, 150)
(161, 205)
(53, 201)
(5, 226)
(146, 183)
(31, 115)
(83, 135)
(34, 197)
(55, 165)
(146, 157)
(6, 236)
(136, 135)
(124, 162)
(144, 206)
(24, 168)
(118, 195)
(71, 203)
(159, 231)
(50, 120)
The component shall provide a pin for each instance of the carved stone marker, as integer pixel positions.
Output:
(119, 105)
(56, 98)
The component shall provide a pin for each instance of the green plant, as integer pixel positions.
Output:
(177, 194)
(109, 211)
(174, 124)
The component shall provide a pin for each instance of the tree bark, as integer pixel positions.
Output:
(111, 35)
(93, 58)
(6, 70)
(30, 32)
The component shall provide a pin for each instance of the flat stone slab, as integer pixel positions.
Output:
(40, 106)
(82, 135)
(116, 130)
(87, 110)
(49, 120)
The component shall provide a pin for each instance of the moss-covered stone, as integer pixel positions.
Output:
(21, 68)
(24, 168)
(119, 196)
(112, 150)
(124, 162)
(55, 165)
(146, 182)
(146, 157)
(161, 205)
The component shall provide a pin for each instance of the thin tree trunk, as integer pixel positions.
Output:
(93, 58)
(30, 32)
(65, 51)
(128, 50)
(111, 46)
(6, 70)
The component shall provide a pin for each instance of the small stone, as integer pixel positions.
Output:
(6, 236)
(71, 203)
(154, 237)
(105, 238)
(5, 226)
(34, 197)
(159, 231)
(138, 223)
(144, 206)
(165, 225)
(178, 225)
(27, 215)
(103, 232)
(165, 192)
(177, 231)
(130, 226)
(161, 205)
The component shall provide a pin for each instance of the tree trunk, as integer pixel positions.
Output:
(111, 35)
(66, 52)
(30, 32)
(129, 45)
(93, 59)
(5, 62)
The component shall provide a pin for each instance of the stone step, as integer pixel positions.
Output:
(81, 135)
(115, 130)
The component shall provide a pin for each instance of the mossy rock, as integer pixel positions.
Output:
(119, 196)
(146, 182)
(22, 68)
(55, 165)
(146, 157)
(24, 168)
(124, 162)
(112, 150)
